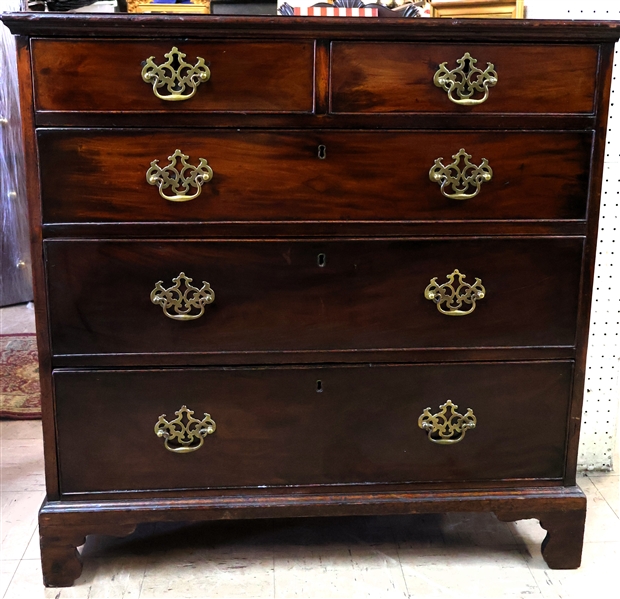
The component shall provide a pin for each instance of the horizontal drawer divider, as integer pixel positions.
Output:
(319, 357)
(410, 121)
(318, 229)
(301, 366)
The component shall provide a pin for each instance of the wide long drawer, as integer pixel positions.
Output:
(132, 297)
(234, 76)
(407, 77)
(310, 426)
(108, 176)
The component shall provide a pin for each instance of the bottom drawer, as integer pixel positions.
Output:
(309, 425)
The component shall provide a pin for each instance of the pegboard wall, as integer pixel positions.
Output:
(599, 429)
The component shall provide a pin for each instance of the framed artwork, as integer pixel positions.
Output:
(169, 6)
(478, 9)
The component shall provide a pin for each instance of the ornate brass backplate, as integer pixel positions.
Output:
(183, 301)
(175, 76)
(464, 182)
(463, 82)
(179, 180)
(447, 426)
(184, 437)
(449, 300)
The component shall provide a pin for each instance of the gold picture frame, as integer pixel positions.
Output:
(478, 9)
(195, 7)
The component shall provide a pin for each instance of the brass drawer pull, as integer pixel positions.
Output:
(460, 180)
(179, 180)
(183, 438)
(450, 300)
(179, 301)
(447, 426)
(175, 75)
(466, 80)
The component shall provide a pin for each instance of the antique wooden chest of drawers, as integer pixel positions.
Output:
(297, 267)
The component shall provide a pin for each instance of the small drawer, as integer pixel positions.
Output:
(399, 77)
(104, 75)
(101, 176)
(309, 426)
(129, 297)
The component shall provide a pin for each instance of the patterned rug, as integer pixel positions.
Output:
(20, 395)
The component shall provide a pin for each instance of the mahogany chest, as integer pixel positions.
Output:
(299, 267)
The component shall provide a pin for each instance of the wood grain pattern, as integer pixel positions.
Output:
(279, 430)
(359, 323)
(33, 190)
(383, 77)
(315, 229)
(99, 176)
(116, 516)
(97, 75)
(590, 255)
(415, 355)
(244, 27)
(398, 120)
(563, 544)
(61, 562)
(274, 504)
(273, 296)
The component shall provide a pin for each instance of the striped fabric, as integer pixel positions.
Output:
(320, 11)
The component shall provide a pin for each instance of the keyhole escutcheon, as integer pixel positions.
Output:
(321, 260)
(322, 153)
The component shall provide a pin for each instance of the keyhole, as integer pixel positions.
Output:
(321, 259)
(319, 386)
(322, 152)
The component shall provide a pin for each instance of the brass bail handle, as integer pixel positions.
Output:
(466, 81)
(447, 426)
(179, 181)
(460, 182)
(182, 301)
(451, 301)
(175, 80)
(185, 433)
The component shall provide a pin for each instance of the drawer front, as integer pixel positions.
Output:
(272, 427)
(98, 176)
(103, 75)
(308, 295)
(392, 77)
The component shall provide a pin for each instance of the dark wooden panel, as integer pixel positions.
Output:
(283, 120)
(63, 525)
(274, 428)
(273, 296)
(314, 229)
(597, 173)
(38, 267)
(390, 77)
(416, 355)
(232, 27)
(97, 75)
(95, 176)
